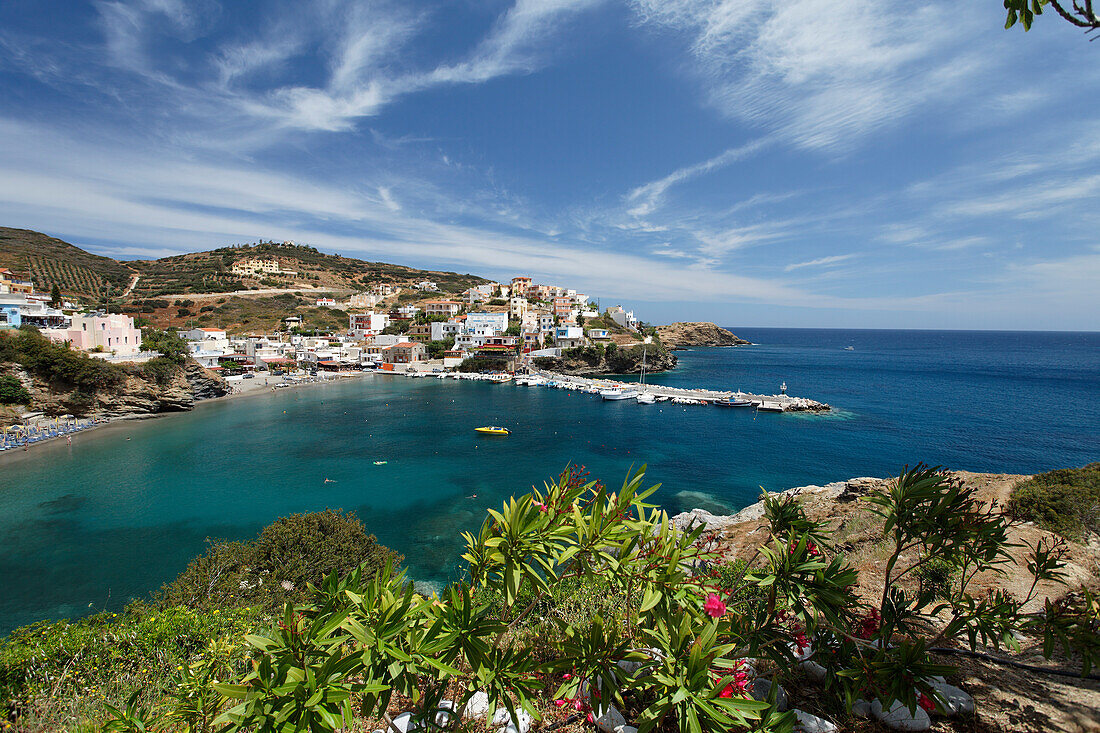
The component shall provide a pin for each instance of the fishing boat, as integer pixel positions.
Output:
(645, 398)
(492, 430)
(618, 394)
(732, 402)
(849, 348)
(766, 406)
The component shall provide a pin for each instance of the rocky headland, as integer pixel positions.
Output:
(138, 394)
(683, 335)
(589, 361)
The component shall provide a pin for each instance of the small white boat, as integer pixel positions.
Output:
(645, 398)
(766, 406)
(618, 394)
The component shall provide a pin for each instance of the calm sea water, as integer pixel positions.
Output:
(122, 510)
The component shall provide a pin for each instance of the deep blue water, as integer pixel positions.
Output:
(123, 509)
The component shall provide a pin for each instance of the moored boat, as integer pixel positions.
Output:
(493, 430)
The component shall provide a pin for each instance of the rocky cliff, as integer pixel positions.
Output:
(699, 333)
(139, 394)
(590, 361)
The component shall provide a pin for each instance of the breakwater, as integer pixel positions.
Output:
(682, 395)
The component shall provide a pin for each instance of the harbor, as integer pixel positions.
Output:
(639, 392)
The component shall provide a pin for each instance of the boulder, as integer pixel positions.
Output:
(610, 720)
(952, 700)
(477, 706)
(806, 723)
(520, 724)
(898, 716)
(761, 689)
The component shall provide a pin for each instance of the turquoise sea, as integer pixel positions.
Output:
(86, 527)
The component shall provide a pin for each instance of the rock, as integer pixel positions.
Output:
(626, 729)
(813, 670)
(611, 720)
(520, 724)
(683, 335)
(953, 700)
(806, 723)
(403, 723)
(762, 688)
(898, 716)
(861, 708)
(477, 706)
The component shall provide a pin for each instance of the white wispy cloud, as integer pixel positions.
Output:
(645, 199)
(819, 262)
(820, 73)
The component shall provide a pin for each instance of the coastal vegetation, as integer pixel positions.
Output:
(571, 599)
(1066, 501)
(12, 391)
(610, 358)
(62, 675)
(55, 362)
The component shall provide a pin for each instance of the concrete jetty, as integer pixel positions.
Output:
(775, 402)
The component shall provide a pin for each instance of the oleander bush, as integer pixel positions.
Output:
(641, 616)
(1066, 501)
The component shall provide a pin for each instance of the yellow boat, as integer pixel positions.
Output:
(492, 430)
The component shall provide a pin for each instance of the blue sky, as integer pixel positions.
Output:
(847, 163)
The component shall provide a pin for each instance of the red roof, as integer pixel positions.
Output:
(329, 363)
(279, 360)
(402, 345)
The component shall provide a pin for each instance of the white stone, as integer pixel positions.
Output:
(477, 706)
(813, 670)
(898, 716)
(861, 708)
(403, 722)
(626, 729)
(520, 724)
(610, 720)
(954, 701)
(807, 723)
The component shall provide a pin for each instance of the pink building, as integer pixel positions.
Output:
(113, 333)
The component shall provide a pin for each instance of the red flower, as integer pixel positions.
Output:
(727, 691)
(926, 702)
(714, 606)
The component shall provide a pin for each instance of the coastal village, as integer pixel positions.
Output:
(499, 331)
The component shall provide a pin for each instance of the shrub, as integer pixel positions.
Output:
(160, 369)
(55, 674)
(57, 362)
(12, 391)
(167, 343)
(1066, 501)
(277, 566)
(368, 638)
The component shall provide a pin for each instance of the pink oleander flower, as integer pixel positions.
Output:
(714, 606)
(540, 505)
(926, 702)
(590, 718)
(567, 676)
(560, 703)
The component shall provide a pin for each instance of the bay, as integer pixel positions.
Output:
(88, 526)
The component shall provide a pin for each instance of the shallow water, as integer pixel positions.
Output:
(123, 509)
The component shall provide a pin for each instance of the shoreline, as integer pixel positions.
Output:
(120, 421)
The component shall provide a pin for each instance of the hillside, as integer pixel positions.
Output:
(209, 272)
(49, 260)
(164, 290)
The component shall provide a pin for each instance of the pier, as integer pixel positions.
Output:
(775, 402)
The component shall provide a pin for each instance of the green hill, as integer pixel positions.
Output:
(87, 276)
(48, 261)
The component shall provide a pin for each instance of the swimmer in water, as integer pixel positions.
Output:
(329, 481)
(472, 496)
